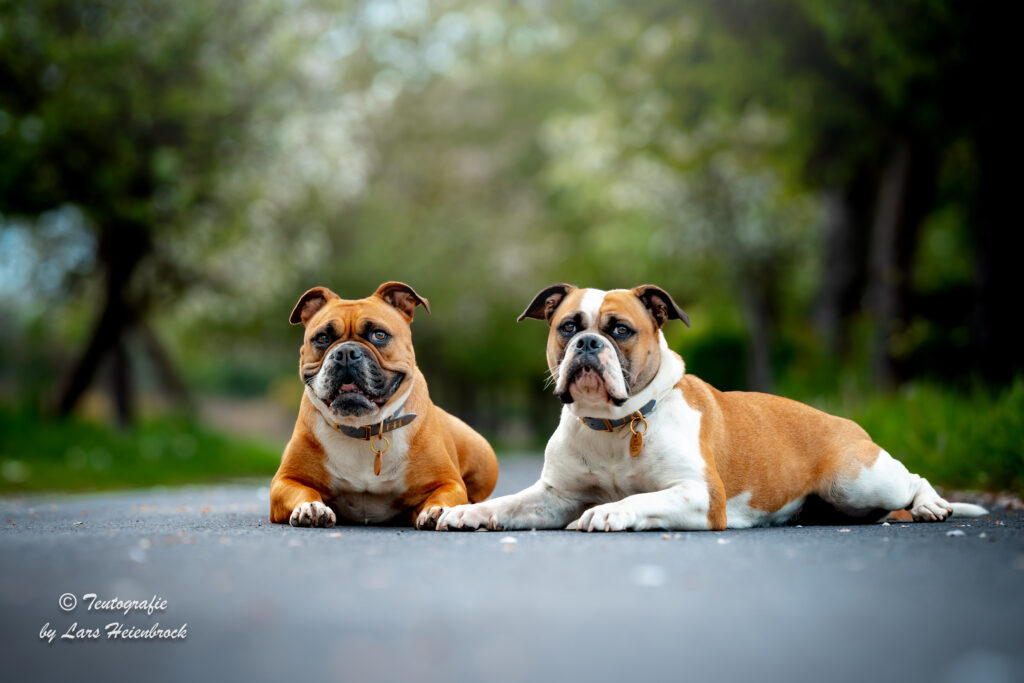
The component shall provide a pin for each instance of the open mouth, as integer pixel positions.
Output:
(351, 398)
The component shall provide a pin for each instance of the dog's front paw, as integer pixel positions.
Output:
(468, 517)
(427, 519)
(314, 514)
(608, 517)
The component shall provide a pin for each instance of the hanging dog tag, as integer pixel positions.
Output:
(379, 452)
(636, 442)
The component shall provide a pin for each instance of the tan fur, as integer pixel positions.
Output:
(778, 449)
(447, 462)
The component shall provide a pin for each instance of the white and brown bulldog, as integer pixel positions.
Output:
(643, 445)
(369, 447)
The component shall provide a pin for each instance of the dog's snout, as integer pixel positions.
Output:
(589, 344)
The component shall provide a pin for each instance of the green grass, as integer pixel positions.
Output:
(972, 440)
(71, 455)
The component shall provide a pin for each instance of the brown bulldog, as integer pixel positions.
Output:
(369, 447)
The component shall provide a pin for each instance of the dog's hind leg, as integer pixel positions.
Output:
(881, 484)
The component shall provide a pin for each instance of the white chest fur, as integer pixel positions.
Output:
(598, 466)
(360, 496)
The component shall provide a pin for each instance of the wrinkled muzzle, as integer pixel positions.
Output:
(591, 371)
(351, 382)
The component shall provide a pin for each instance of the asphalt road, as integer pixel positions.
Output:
(268, 602)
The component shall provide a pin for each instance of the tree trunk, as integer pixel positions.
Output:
(120, 251)
(904, 199)
(758, 301)
(107, 333)
(845, 263)
(121, 383)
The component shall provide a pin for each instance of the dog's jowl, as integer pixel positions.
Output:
(643, 445)
(369, 446)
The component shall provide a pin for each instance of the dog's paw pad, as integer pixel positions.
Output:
(314, 514)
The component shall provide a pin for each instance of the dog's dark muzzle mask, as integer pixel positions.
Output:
(352, 382)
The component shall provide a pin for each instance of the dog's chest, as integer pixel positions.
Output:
(359, 495)
(600, 465)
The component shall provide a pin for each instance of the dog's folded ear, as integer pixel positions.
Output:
(309, 303)
(403, 297)
(544, 304)
(660, 304)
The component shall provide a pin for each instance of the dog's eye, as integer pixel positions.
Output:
(379, 336)
(621, 331)
(568, 328)
(321, 339)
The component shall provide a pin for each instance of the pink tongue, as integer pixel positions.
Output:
(348, 387)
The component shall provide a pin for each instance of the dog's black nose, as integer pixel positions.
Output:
(349, 354)
(589, 344)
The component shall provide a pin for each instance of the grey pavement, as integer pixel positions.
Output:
(267, 602)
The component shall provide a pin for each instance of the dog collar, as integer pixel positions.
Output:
(635, 420)
(367, 432)
(375, 435)
(603, 424)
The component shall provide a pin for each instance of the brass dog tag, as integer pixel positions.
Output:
(379, 452)
(636, 443)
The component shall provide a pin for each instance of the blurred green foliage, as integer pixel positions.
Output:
(968, 440)
(812, 181)
(39, 453)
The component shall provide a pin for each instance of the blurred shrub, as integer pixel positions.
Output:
(959, 440)
(43, 454)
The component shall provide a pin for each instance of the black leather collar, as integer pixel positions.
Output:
(603, 424)
(367, 432)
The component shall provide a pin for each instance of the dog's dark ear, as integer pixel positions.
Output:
(403, 297)
(544, 304)
(660, 304)
(309, 303)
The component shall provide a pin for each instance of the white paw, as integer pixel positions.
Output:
(314, 514)
(607, 517)
(470, 517)
(930, 508)
(427, 519)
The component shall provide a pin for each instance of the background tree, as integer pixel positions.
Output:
(130, 111)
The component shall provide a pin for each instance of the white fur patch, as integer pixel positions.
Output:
(885, 485)
(359, 495)
(590, 304)
(741, 515)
